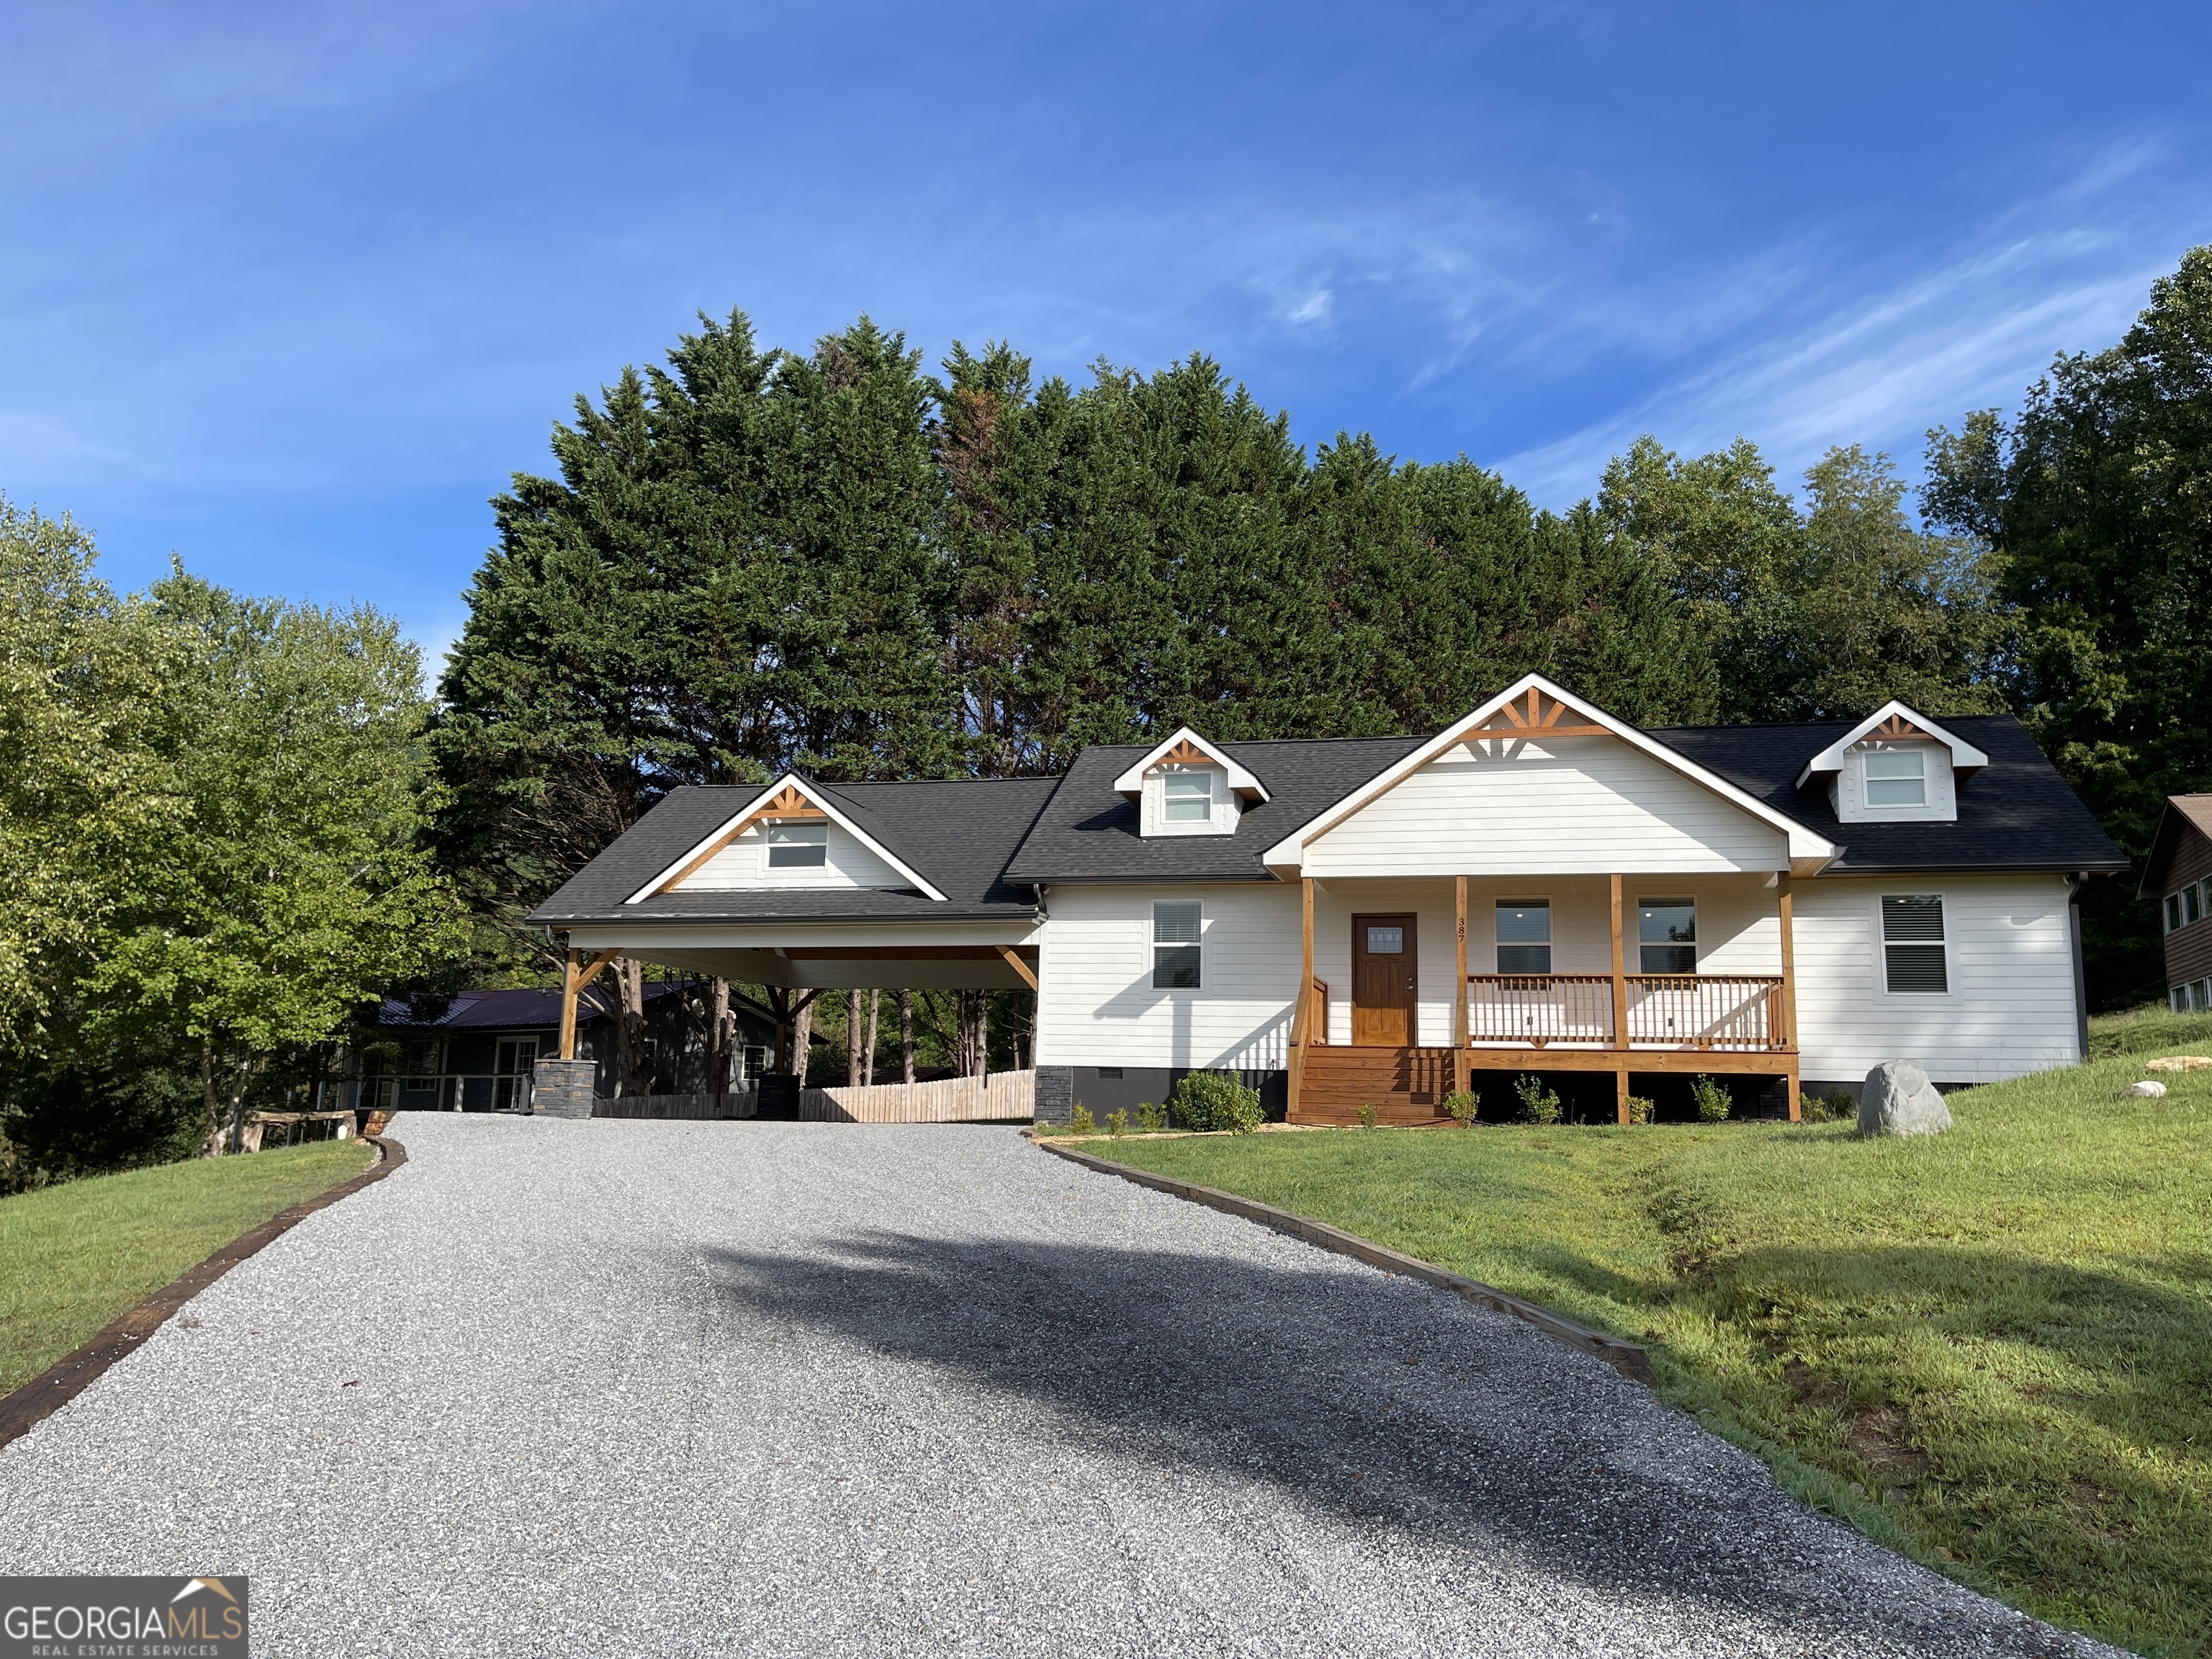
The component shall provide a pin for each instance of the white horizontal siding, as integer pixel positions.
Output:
(1096, 1006)
(2010, 1009)
(743, 867)
(1582, 805)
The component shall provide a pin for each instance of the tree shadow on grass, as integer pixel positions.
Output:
(1367, 1400)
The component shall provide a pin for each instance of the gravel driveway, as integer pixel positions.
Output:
(607, 1387)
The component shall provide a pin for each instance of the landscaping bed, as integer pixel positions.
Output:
(73, 1257)
(1992, 1347)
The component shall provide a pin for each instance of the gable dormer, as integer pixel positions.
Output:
(1894, 767)
(791, 835)
(1189, 786)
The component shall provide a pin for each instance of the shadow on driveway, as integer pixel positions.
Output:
(1369, 1399)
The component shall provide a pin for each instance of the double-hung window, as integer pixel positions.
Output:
(1913, 944)
(1896, 777)
(1667, 935)
(1175, 944)
(1524, 936)
(797, 846)
(1187, 797)
(2172, 911)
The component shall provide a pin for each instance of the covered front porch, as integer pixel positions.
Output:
(1414, 988)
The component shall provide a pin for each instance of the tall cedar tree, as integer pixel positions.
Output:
(2098, 495)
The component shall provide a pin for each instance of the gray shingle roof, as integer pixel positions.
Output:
(986, 844)
(1088, 833)
(2015, 814)
(959, 834)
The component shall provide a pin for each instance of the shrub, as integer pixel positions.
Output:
(1709, 1098)
(1367, 1116)
(1117, 1123)
(1079, 1122)
(1830, 1108)
(1639, 1110)
(1538, 1104)
(1462, 1107)
(1216, 1100)
(1150, 1116)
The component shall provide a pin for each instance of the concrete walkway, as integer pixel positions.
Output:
(602, 1388)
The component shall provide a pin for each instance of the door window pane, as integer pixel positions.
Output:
(1189, 797)
(1524, 936)
(797, 846)
(1912, 943)
(1667, 935)
(1897, 777)
(1175, 944)
(1386, 941)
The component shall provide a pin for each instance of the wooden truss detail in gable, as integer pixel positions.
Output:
(1538, 714)
(1897, 726)
(1186, 753)
(787, 803)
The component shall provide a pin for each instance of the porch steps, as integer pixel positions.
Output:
(1404, 1085)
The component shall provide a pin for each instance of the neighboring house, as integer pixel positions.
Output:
(1541, 888)
(2177, 875)
(479, 1055)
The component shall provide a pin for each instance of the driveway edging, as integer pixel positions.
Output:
(71, 1375)
(1629, 1360)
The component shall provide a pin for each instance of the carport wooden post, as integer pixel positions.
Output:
(1783, 909)
(1620, 1010)
(568, 974)
(1459, 991)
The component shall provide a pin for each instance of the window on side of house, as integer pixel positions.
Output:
(2172, 911)
(1667, 935)
(1524, 936)
(1175, 944)
(797, 846)
(2178, 998)
(1913, 944)
(2200, 995)
(1187, 797)
(2192, 904)
(422, 1064)
(1897, 777)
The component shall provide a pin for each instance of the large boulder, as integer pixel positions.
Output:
(1897, 1099)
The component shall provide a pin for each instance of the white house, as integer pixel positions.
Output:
(1541, 888)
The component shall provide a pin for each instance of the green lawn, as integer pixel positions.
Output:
(1992, 1347)
(74, 1257)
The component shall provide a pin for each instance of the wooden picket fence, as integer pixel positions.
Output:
(950, 1100)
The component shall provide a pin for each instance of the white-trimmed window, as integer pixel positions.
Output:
(1524, 936)
(1897, 777)
(2193, 903)
(1913, 946)
(1175, 923)
(1667, 935)
(1187, 797)
(2172, 911)
(797, 846)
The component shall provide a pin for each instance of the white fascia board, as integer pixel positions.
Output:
(1288, 854)
(1242, 778)
(644, 936)
(1964, 758)
(789, 780)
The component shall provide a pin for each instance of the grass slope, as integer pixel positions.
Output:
(1992, 1347)
(72, 1257)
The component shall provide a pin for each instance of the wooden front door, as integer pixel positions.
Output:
(1385, 981)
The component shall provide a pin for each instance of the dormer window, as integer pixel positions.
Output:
(1897, 777)
(797, 846)
(1187, 797)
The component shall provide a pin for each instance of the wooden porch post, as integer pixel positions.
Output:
(1459, 992)
(1789, 989)
(1302, 1022)
(1619, 1009)
(568, 976)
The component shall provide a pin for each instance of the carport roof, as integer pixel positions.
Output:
(960, 835)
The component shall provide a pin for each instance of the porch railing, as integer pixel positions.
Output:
(1706, 1011)
(1728, 1012)
(1540, 1008)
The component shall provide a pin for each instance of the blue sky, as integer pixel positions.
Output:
(292, 289)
